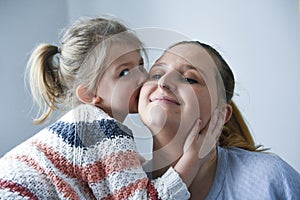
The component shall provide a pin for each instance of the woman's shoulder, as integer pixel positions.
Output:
(235, 154)
(251, 173)
(265, 162)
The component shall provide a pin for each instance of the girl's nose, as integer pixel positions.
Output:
(142, 75)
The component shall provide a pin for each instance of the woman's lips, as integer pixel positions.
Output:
(165, 99)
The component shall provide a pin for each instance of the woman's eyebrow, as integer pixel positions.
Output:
(185, 67)
(159, 65)
(190, 67)
(198, 69)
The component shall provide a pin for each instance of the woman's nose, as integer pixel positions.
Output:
(166, 82)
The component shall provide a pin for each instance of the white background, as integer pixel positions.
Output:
(260, 39)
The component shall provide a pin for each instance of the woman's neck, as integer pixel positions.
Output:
(167, 149)
(164, 157)
(167, 153)
(203, 181)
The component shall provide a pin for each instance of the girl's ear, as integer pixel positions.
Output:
(228, 110)
(86, 96)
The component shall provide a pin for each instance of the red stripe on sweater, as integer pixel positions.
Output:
(116, 162)
(95, 172)
(16, 187)
(63, 165)
(62, 186)
(152, 191)
(58, 160)
(127, 191)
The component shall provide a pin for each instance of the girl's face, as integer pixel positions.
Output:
(120, 84)
(181, 89)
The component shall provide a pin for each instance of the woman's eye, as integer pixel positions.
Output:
(124, 72)
(190, 80)
(156, 76)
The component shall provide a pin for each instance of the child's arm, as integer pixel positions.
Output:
(168, 186)
(118, 173)
(109, 163)
(105, 162)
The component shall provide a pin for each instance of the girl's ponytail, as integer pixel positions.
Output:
(45, 85)
(55, 73)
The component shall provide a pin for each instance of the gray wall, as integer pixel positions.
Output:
(259, 39)
(24, 24)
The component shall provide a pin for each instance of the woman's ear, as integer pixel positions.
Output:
(86, 96)
(228, 112)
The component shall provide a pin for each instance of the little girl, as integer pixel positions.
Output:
(95, 75)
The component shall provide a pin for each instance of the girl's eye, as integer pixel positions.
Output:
(124, 72)
(190, 80)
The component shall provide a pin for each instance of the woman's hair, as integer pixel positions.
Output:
(235, 132)
(55, 72)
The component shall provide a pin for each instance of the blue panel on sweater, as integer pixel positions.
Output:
(86, 134)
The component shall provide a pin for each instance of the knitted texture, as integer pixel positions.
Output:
(84, 155)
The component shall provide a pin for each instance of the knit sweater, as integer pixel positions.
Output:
(84, 155)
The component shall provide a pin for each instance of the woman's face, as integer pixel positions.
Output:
(181, 89)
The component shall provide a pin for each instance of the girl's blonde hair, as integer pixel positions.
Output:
(55, 72)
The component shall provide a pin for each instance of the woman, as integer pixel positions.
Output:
(191, 83)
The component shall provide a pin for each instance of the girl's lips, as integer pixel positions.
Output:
(165, 99)
(136, 94)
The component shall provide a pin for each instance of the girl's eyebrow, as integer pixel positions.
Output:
(141, 61)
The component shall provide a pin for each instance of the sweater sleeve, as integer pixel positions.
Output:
(169, 186)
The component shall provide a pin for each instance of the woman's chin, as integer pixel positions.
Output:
(157, 119)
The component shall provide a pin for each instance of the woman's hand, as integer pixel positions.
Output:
(202, 143)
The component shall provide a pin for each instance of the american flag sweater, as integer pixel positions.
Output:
(84, 155)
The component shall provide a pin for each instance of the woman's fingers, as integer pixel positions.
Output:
(219, 123)
(211, 136)
(193, 135)
(203, 143)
